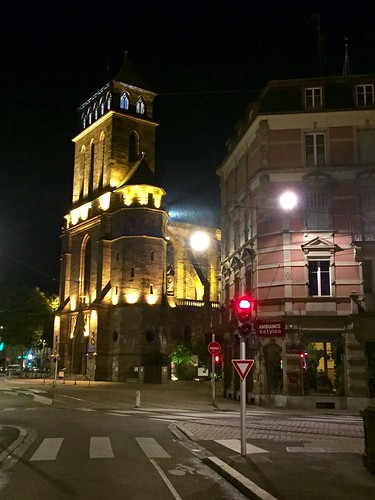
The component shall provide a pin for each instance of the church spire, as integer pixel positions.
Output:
(346, 70)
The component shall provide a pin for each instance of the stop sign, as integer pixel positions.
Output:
(214, 348)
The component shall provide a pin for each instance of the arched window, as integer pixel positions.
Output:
(84, 120)
(82, 167)
(140, 106)
(92, 163)
(86, 255)
(102, 106)
(133, 146)
(108, 99)
(124, 100)
(89, 112)
(102, 159)
(96, 111)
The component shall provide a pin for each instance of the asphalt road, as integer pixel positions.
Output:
(72, 452)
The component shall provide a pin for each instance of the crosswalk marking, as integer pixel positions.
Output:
(152, 448)
(100, 447)
(48, 449)
(235, 445)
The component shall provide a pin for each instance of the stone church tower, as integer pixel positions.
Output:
(130, 286)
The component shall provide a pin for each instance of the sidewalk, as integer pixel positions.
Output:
(309, 455)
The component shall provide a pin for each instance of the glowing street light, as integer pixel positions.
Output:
(288, 200)
(199, 241)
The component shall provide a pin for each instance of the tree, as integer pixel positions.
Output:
(26, 316)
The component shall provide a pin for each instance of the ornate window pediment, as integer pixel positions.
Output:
(320, 246)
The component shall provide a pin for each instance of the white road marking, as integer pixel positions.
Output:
(235, 445)
(117, 414)
(86, 409)
(48, 449)
(166, 480)
(100, 447)
(151, 448)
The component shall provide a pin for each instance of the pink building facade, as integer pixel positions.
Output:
(310, 268)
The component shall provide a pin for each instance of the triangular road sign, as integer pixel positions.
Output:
(243, 366)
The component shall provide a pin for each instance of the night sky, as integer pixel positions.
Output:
(206, 60)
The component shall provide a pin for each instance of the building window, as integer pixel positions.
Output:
(140, 107)
(102, 106)
(319, 278)
(366, 145)
(313, 98)
(96, 111)
(318, 210)
(124, 100)
(368, 270)
(315, 150)
(133, 147)
(365, 95)
(108, 98)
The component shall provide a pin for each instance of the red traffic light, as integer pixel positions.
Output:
(244, 308)
(217, 359)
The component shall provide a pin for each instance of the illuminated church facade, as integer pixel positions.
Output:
(131, 285)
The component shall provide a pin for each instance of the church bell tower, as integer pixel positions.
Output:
(114, 245)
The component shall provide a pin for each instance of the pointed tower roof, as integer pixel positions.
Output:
(346, 70)
(142, 174)
(129, 75)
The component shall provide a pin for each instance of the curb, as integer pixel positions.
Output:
(242, 483)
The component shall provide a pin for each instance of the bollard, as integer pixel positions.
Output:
(138, 399)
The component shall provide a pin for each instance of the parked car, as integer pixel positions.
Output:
(13, 370)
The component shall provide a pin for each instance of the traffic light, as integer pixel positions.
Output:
(217, 359)
(244, 309)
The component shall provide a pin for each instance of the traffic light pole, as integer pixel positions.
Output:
(213, 375)
(243, 400)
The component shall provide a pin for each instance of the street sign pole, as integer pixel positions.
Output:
(243, 401)
(213, 374)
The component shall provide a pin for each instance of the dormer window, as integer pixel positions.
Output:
(140, 106)
(313, 97)
(124, 100)
(365, 95)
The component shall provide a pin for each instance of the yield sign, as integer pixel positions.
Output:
(243, 366)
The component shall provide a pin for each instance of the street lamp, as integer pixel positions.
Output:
(288, 200)
(199, 241)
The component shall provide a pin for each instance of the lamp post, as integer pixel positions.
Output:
(200, 242)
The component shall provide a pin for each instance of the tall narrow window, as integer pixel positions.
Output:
(319, 278)
(92, 163)
(82, 173)
(124, 100)
(86, 266)
(102, 160)
(315, 149)
(365, 95)
(368, 271)
(102, 106)
(313, 98)
(318, 210)
(140, 106)
(133, 147)
(108, 99)
(96, 111)
(89, 112)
